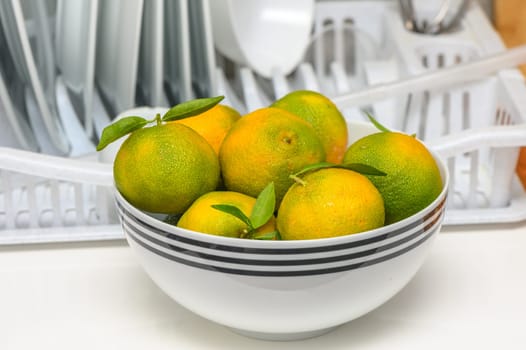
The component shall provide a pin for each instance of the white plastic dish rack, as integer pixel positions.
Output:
(478, 127)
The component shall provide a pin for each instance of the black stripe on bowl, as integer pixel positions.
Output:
(287, 273)
(181, 246)
(175, 238)
(132, 227)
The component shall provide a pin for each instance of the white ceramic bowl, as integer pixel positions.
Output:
(283, 290)
(263, 34)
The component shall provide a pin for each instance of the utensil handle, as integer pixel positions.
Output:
(499, 136)
(440, 78)
(54, 167)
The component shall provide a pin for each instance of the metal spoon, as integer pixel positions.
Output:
(439, 24)
(408, 15)
(461, 11)
(435, 25)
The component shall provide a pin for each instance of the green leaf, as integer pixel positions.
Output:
(315, 166)
(267, 236)
(234, 211)
(120, 128)
(264, 207)
(191, 108)
(377, 123)
(363, 169)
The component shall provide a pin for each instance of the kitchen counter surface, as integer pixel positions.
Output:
(470, 294)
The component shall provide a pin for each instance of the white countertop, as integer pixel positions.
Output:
(470, 294)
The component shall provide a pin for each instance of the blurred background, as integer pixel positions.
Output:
(68, 68)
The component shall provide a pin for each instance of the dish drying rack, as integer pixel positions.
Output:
(478, 127)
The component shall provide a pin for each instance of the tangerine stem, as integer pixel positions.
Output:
(298, 180)
(245, 233)
(158, 118)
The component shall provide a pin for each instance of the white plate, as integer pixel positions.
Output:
(7, 22)
(202, 49)
(14, 128)
(101, 118)
(151, 59)
(37, 20)
(76, 32)
(37, 123)
(224, 88)
(178, 65)
(51, 127)
(80, 142)
(118, 39)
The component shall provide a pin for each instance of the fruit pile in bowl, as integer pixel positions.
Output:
(280, 224)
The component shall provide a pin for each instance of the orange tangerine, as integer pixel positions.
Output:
(413, 178)
(323, 115)
(213, 124)
(164, 168)
(202, 217)
(328, 203)
(267, 145)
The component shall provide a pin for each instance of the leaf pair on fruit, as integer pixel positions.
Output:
(127, 125)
